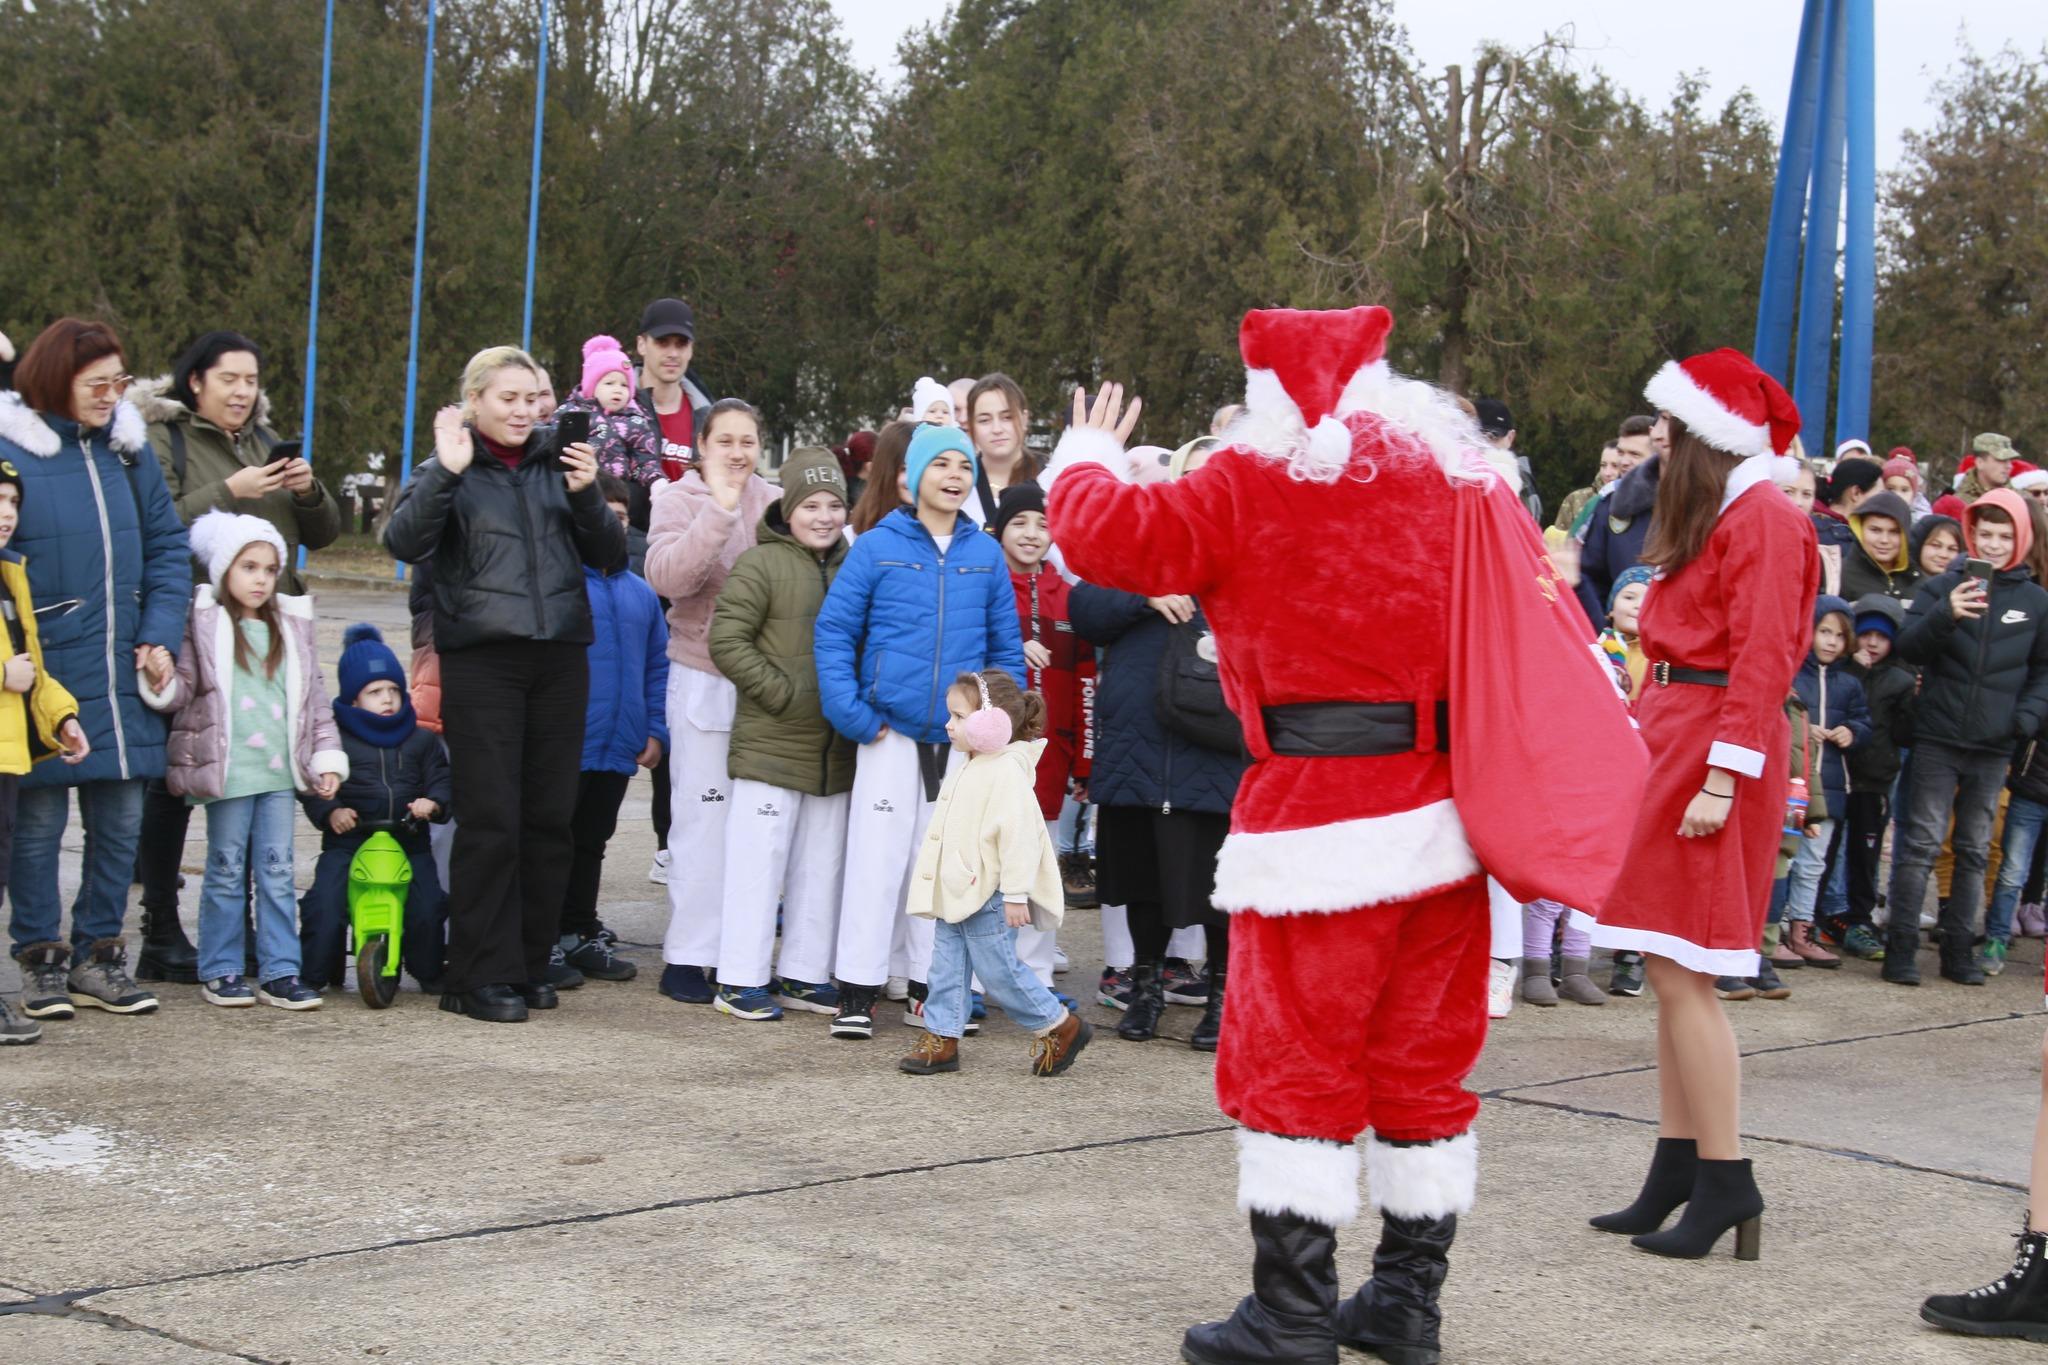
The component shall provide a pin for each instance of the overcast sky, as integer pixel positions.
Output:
(1643, 45)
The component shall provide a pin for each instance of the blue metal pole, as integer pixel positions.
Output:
(540, 113)
(419, 258)
(1812, 375)
(1859, 251)
(319, 225)
(1773, 348)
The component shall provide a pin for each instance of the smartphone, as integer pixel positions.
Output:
(287, 450)
(1979, 569)
(572, 429)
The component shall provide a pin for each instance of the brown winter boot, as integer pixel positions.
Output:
(1803, 943)
(1054, 1050)
(931, 1054)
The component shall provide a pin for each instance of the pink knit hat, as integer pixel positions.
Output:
(601, 356)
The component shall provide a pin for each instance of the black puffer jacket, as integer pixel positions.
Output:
(1983, 683)
(507, 545)
(1138, 762)
(382, 782)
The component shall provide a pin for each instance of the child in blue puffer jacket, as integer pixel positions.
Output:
(1839, 716)
(625, 728)
(922, 598)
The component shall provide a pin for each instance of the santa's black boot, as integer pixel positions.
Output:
(1287, 1318)
(1395, 1316)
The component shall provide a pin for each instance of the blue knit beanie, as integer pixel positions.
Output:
(1633, 574)
(365, 659)
(926, 446)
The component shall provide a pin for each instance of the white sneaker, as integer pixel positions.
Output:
(1928, 919)
(658, 874)
(1059, 961)
(1500, 988)
(896, 988)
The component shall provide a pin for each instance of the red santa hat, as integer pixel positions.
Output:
(1727, 401)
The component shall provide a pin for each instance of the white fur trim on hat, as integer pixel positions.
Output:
(1672, 390)
(2033, 478)
(1353, 863)
(1271, 424)
(927, 392)
(1429, 1180)
(219, 536)
(1310, 1177)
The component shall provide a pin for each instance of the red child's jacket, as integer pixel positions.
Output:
(1067, 684)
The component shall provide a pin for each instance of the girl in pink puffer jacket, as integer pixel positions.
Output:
(252, 726)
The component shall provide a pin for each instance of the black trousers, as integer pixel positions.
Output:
(661, 795)
(1869, 813)
(598, 797)
(512, 713)
(165, 821)
(10, 796)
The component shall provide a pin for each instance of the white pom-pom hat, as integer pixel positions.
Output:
(218, 537)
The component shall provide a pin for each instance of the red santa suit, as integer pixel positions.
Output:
(1742, 611)
(1342, 865)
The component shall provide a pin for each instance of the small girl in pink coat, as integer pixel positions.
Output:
(251, 727)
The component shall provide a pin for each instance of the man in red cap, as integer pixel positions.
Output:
(1364, 690)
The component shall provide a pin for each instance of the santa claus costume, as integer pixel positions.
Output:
(1353, 854)
(1724, 632)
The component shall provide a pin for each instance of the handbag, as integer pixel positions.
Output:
(1191, 703)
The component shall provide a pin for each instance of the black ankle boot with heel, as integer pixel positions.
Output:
(1724, 1196)
(1673, 1168)
(1140, 1023)
(166, 955)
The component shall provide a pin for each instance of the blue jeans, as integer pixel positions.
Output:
(112, 815)
(249, 843)
(2023, 821)
(984, 945)
(324, 921)
(1808, 863)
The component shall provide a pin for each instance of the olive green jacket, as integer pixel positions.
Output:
(760, 638)
(212, 456)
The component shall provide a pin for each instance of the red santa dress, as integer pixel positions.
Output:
(1337, 868)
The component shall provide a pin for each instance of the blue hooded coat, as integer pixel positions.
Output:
(628, 672)
(1834, 696)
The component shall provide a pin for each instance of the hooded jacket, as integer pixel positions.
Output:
(382, 782)
(1138, 761)
(1890, 690)
(692, 544)
(1834, 697)
(986, 836)
(902, 621)
(1983, 682)
(763, 638)
(508, 547)
(109, 568)
(1615, 535)
(1862, 574)
(1925, 528)
(628, 673)
(212, 456)
(29, 720)
(202, 731)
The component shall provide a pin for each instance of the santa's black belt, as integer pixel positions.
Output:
(1349, 729)
(1666, 674)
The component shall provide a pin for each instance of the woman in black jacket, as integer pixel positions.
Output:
(507, 523)
(1164, 801)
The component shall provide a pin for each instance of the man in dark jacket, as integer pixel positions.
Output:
(674, 397)
(1619, 525)
(1889, 690)
(1876, 557)
(1983, 653)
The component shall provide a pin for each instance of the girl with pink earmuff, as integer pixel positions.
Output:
(985, 870)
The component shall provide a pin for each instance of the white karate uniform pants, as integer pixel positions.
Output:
(700, 710)
(781, 847)
(885, 825)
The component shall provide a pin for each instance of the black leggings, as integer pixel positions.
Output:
(1150, 933)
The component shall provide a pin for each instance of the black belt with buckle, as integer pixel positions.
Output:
(1347, 729)
(1664, 675)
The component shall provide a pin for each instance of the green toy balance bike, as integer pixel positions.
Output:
(379, 878)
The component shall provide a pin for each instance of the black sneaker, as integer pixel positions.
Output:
(1769, 985)
(596, 959)
(13, 1030)
(1115, 988)
(1628, 975)
(1734, 988)
(687, 984)
(856, 1017)
(560, 974)
(45, 988)
(1185, 983)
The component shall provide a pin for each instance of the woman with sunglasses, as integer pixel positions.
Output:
(109, 572)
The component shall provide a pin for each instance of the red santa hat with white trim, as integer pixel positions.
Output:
(1728, 401)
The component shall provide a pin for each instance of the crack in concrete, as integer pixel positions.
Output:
(65, 1306)
(66, 1300)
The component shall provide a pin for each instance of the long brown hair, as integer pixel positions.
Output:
(1026, 710)
(1693, 477)
(879, 497)
(1027, 466)
(273, 653)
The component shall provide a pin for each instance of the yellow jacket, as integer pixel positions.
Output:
(46, 701)
(987, 835)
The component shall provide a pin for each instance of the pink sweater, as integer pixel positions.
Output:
(692, 544)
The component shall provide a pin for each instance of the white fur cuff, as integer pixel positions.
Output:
(1428, 1181)
(1086, 445)
(166, 700)
(1346, 865)
(1309, 1177)
(330, 761)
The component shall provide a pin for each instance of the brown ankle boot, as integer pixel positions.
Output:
(931, 1054)
(1054, 1052)
(1808, 948)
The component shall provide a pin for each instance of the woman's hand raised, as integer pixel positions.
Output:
(454, 447)
(579, 467)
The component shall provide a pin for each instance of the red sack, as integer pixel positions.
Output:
(1546, 765)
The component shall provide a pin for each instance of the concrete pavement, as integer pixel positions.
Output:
(627, 1179)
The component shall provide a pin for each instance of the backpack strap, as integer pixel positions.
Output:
(177, 431)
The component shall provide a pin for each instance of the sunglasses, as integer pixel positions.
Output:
(100, 388)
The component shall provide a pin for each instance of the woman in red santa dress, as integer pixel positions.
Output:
(1347, 856)
(1726, 624)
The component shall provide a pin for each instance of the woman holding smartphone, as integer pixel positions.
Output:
(508, 521)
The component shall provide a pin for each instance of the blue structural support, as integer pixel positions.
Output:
(1830, 129)
(319, 228)
(540, 113)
